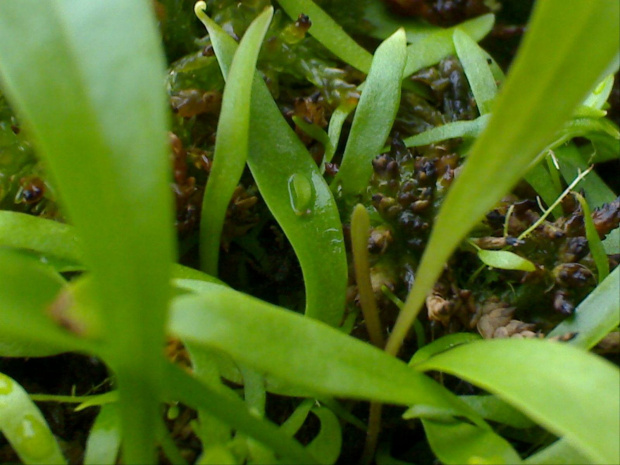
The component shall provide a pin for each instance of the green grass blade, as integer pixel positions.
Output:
(97, 116)
(233, 411)
(477, 70)
(458, 442)
(24, 427)
(231, 144)
(326, 446)
(104, 439)
(584, 409)
(596, 316)
(302, 352)
(451, 130)
(329, 33)
(374, 115)
(594, 241)
(432, 48)
(557, 44)
(279, 162)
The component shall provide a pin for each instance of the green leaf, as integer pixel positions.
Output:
(599, 96)
(470, 129)
(477, 70)
(279, 161)
(301, 352)
(594, 241)
(505, 260)
(329, 33)
(431, 48)
(374, 115)
(542, 182)
(231, 144)
(558, 42)
(24, 427)
(558, 453)
(23, 231)
(457, 442)
(585, 409)
(104, 439)
(335, 127)
(231, 410)
(441, 345)
(327, 444)
(494, 409)
(28, 289)
(596, 316)
(97, 117)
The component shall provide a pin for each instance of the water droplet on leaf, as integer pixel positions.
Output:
(301, 194)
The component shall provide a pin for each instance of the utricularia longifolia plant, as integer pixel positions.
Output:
(362, 203)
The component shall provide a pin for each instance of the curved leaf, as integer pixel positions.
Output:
(430, 48)
(456, 442)
(278, 160)
(231, 144)
(302, 352)
(329, 33)
(571, 392)
(24, 427)
(374, 115)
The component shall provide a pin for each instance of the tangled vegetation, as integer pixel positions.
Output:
(378, 247)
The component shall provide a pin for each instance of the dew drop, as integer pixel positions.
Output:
(35, 439)
(6, 384)
(301, 194)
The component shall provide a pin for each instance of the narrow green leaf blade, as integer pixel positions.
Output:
(557, 44)
(374, 115)
(24, 427)
(329, 33)
(585, 409)
(48, 237)
(278, 161)
(231, 410)
(104, 439)
(97, 116)
(451, 130)
(231, 145)
(596, 316)
(326, 446)
(505, 260)
(433, 47)
(301, 352)
(477, 70)
(458, 442)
